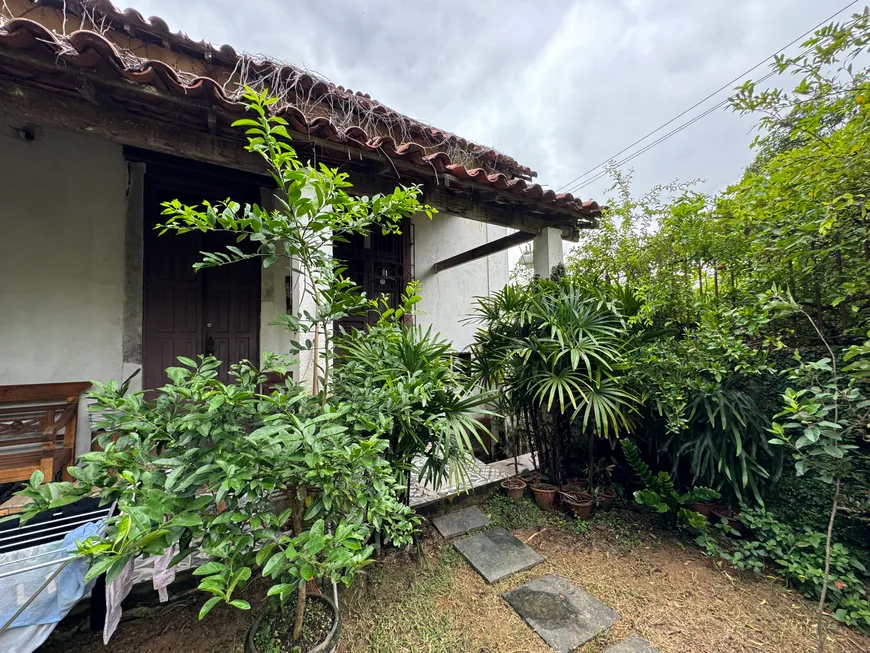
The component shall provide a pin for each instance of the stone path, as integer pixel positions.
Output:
(458, 523)
(497, 554)
(633, 644)
(563, 615)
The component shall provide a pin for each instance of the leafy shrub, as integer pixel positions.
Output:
(805, 503)
(659, 492)
(200, 467)
(555, 348)
(701, 421)
(799, 556)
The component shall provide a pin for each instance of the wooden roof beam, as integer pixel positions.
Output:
(487, 249)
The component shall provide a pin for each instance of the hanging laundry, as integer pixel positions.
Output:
(164, 575)
(116, 592)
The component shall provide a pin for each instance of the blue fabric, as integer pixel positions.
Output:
(56, 600)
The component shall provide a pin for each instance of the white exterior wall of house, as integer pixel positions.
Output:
(61, 259)
(448, 296)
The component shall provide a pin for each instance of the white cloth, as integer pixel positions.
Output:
(116, 592)
(164, 575)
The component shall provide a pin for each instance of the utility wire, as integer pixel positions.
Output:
(673, 132)
(697, 104)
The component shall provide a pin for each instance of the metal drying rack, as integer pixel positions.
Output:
(33, 535)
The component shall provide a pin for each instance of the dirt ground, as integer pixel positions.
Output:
(665, 591)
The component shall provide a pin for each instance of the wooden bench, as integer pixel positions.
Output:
(38, 429)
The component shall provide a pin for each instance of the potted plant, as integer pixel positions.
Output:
(545, 495)
(580, 504)
(725, 514)
(514, 487)
(322, 625)
(602, 470)
(604, 497)
(703, 508)
(574, 485)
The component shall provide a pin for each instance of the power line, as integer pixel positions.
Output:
(673, 132)
(700, 102)
(604, 172)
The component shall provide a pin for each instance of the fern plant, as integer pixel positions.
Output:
(660, 494)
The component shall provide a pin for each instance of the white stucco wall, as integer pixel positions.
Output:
(61, 258)
(448, 297)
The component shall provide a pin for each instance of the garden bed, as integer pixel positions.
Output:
(663, 588)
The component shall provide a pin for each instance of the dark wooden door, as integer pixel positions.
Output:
(187, 313)
(232, 310)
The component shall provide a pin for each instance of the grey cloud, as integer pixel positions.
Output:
(558, 85)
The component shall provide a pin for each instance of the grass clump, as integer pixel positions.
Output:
(525, 515)
(398, 609)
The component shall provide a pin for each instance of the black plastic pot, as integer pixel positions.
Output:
(329, 645)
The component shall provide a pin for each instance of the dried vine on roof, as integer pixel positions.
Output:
(309, 92)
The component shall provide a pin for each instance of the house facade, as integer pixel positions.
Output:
(104, 115)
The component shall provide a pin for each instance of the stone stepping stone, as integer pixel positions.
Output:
(497, 554)
(633, 644)
(563, 615)
(460, 522)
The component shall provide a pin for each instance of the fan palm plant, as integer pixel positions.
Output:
(555, 347)
(405, 375)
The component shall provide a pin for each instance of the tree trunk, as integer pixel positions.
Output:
(533, 446)
(300, 611)
(298, 509)
(543, 454)
(716, 282)
(820, 628)
(591, 454)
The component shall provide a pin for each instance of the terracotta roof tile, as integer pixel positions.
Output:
(88, 49)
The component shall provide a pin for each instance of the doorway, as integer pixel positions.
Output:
(215, 311)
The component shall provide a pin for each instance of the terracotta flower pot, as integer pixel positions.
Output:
(702, 508)
(719, 512)
(575, 485)
(545, 495)
(606, 497)
(514, 488)
(580, 504)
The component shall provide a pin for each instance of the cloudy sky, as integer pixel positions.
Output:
(558, 85)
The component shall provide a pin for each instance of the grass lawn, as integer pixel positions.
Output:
(664, 589)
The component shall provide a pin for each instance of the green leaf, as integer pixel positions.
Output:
(209, 568)
(187, 519)
(100, 567)
(213, 601)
